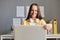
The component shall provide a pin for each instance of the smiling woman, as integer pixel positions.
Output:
(34, 17)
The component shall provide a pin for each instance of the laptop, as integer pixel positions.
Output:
(29, 33)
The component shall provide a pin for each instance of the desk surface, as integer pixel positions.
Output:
(53, 36)
(47, 36)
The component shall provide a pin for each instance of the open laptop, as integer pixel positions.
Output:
(29, 33)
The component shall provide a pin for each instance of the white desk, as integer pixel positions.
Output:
(7, 36)
(53, 36)
(11, 36)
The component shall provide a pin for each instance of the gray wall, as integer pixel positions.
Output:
(8, 11)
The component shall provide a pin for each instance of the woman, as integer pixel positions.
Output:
(34, 17)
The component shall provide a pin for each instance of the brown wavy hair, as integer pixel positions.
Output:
(38, 12)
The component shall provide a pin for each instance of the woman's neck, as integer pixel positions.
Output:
(33, 18)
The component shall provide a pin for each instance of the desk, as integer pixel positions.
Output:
(7, 37)
(53, 36)
(11, 36)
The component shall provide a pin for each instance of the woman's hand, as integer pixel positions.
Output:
(48, 27)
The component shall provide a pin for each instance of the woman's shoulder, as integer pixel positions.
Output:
(25, 21)
(42, 20)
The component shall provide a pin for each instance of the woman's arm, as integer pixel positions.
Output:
(48, 27)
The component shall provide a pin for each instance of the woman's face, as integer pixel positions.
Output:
(33, 11)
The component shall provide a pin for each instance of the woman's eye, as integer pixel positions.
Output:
(32, 10)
